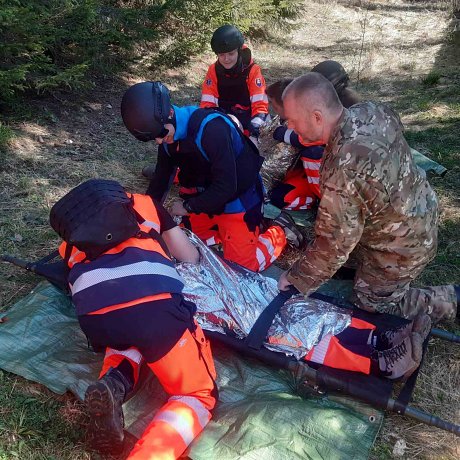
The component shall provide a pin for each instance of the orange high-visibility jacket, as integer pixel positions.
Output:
(244, 91)
(99, 286)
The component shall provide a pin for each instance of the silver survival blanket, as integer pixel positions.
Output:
(227, 299)
(278, 156)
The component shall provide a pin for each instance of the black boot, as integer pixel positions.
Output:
(148, 171)
(293, 235)
(104, 400)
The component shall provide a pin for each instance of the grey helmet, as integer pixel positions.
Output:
(145, 109)
(334, 72)
(226, 38)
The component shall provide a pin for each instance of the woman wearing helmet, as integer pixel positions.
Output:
(234, 83)
(300, 188)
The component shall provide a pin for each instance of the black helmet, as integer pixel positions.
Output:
(334, 72)
(145, 108)
(226, 38)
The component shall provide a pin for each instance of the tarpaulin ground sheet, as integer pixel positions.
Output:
(259, 414)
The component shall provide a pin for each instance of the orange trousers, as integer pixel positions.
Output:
(253, 250)
(295, 192)
(187, 374)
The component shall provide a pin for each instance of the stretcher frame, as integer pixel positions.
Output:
(373, 390)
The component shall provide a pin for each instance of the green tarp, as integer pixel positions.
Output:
(259, 415)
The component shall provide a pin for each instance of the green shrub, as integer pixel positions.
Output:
(6, 134)
(189, 24)
(57, 44)
(54, 44)
(431, 79)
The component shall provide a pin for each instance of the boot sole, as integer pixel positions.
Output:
(104, 433)
(420, 330)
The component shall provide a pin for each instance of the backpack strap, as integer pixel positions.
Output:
(152, 234)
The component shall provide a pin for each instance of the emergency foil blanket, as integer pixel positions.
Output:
(234, 299)
(279, 157)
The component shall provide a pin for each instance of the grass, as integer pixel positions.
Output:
(405, 44)
(432, 78)
(34, 424)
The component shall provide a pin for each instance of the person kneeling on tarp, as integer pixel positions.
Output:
(220, 185)
(377, 207)
(127, 294)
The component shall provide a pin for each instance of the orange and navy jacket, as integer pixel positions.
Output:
(240, 93)
(311, 155)
(133, 272)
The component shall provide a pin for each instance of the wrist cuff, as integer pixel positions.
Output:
(187, 207)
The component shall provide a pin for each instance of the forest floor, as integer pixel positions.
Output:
(405, 53)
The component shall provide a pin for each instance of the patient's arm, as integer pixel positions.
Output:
(180, 246)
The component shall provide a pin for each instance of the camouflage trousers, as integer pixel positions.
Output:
(439, 302)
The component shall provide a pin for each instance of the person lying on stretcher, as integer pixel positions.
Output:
(134, 304)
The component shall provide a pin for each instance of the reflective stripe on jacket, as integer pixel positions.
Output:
(139, 263)
(246, 91)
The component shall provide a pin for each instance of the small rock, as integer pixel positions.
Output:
(17, 237)
(69, 141)
(40, 139)
(399, 448)
(109, 106)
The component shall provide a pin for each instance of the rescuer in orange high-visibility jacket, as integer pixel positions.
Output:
(234, 83)
(129, 303)
(300, 187)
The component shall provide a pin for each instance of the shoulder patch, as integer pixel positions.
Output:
(208, 82)
(258, 82)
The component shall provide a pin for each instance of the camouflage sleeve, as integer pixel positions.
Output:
(338, 229)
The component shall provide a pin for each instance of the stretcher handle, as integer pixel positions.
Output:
(355, 389)
(18, 262)
(427, 419)
(445, 335)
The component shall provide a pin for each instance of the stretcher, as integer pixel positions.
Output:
(249, 337)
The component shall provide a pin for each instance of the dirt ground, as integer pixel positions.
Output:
(388, 47)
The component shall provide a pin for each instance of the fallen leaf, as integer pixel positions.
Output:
(399, 448)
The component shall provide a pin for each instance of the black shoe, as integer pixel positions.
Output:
(104, 400)
(148, 171)
(293, 234)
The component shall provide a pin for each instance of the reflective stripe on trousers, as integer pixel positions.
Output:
(187, 374)
(331, 352)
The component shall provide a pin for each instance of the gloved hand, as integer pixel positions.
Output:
(256, 122)
(254, 131)
(279, 133)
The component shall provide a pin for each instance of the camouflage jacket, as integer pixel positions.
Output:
(375, 200)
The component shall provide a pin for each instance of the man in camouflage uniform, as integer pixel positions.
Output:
(377, 205)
